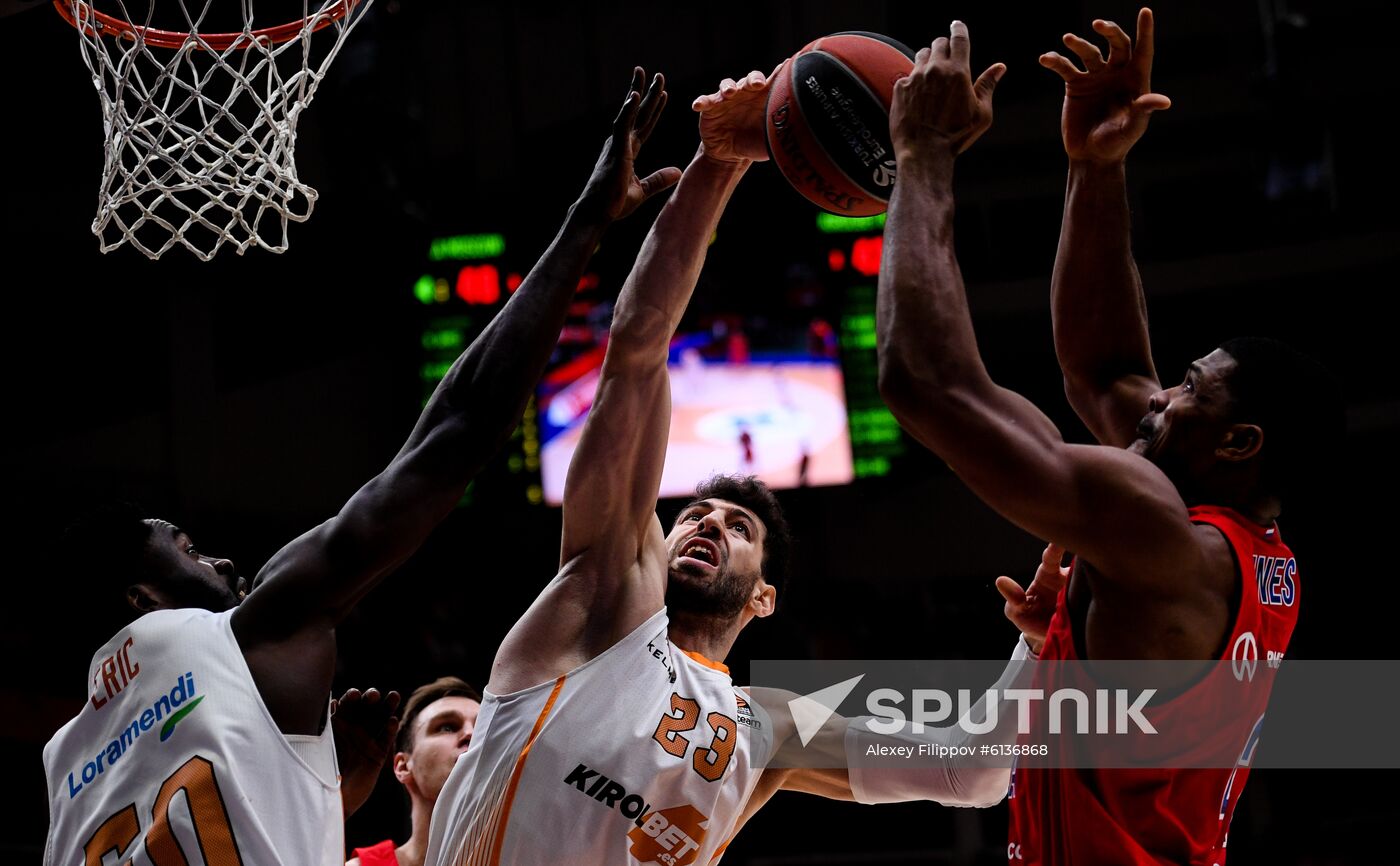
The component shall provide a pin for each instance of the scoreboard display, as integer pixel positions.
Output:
(791, 398)
(466, 280)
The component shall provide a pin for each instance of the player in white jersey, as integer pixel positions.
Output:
(611, 732)
(205, 724)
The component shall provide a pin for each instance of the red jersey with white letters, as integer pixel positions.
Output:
(1087, 816)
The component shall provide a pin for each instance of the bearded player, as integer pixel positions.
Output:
(611, 731)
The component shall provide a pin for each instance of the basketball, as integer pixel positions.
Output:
(828, 117)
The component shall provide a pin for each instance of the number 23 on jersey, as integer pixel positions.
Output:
(710, 762)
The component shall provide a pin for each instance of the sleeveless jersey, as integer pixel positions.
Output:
(1088, 817)
(644, 754)
(174, 759)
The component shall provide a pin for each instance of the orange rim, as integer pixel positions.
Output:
(107, 25)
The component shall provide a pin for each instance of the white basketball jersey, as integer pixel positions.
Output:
(174, 759)
(642, 755)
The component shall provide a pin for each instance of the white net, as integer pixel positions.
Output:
(200, 129)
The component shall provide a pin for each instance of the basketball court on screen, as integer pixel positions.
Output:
(783, 421)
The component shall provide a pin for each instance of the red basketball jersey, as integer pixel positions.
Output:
(383, 854)
(1095, 817)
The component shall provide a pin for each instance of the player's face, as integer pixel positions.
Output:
(1184, 424)
(716, 558)
(188, 578)
(443, 730)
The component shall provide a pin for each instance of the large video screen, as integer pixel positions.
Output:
(781, 384)
(764, 401)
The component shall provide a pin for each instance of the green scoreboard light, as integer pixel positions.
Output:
(853, 247)
(466, 280)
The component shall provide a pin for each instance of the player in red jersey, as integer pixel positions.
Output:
(1171, 517)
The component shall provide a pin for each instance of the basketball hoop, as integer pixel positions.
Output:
(200, 128)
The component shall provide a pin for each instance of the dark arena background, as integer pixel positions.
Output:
(248, 397)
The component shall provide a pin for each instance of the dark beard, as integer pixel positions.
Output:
(723, 598)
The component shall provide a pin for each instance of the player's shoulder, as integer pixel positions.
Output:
(172, 622)
(177, 616)
(1222, 548)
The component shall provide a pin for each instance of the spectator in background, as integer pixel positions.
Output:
(437, 727)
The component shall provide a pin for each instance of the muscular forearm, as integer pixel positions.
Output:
(931, 373)
(1096, 294)
(926, 343)
(659, 287)
(615, 471)
(473, 410)
(285, 627)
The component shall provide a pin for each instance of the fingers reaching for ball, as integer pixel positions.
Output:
(731, 119)
(615, 190)
(938, 109)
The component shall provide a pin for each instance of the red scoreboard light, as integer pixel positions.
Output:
(865, 255)
(479, 284)
(467, 279)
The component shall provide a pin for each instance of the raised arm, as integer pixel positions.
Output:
(610, 493)
(612, 557)
(1100, 316)
(286, 626)
(1107, 504)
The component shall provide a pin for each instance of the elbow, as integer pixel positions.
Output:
(982, 787)
(893, 380)
(1085, 384)
(903, 386)
(454, 445)
(640, 334)
(919, 391)
(1080, 390)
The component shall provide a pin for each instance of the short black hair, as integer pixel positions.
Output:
(1293, 399)
(748, 491)
(108, 548)
(442, 687)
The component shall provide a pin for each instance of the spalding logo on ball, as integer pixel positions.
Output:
(829, 120)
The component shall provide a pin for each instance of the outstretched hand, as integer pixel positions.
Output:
(731, 119)
(938, 105)
(1108, 103)
(364, 726)
(1030, 609)
(614, 185)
